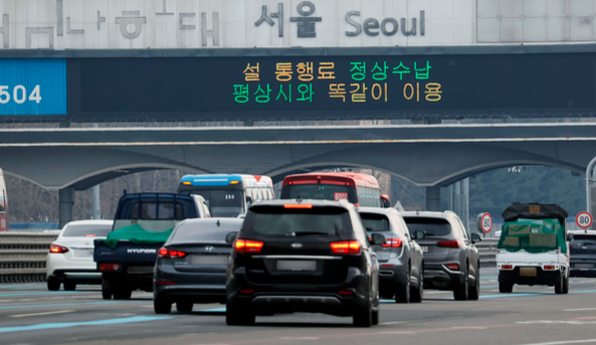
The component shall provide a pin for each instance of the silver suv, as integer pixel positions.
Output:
(451, 260)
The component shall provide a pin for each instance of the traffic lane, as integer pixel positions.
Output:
(511, 320)
(208, 322)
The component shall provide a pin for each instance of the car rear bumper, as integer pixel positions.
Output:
(390, 278)
(267, 299)
(196, 293)
(579, 269)
(439, 277)
(542, 277)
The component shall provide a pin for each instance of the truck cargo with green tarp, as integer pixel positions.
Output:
(533, 235)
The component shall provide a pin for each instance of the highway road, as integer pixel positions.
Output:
(29, 314)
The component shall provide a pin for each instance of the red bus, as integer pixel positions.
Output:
(3, 204)
(359, 189)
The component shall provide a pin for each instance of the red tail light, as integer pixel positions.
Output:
(57, 249)
(302, 206)
(248, 246)
(392, 242)
(109, 267)
(165, 282)
(170, 254)
(247, 291)
(346, 293)
(506, 267)
(346, 247)
(449, 244)
(549, 267)
(453, 267)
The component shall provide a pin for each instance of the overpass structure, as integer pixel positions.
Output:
(427, 155)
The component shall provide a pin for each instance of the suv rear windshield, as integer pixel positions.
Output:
(279, 221)
(87, 230)
(375, 222)
(431, 226)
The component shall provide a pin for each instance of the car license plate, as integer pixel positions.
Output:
(296, 265)
(424, 249)
(527, 271)
(209, 259)
(83, 253)
(584, 265)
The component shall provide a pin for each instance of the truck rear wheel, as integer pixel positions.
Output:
(505, 287)
(122, 294)
(566, 285)
(559, 281)
(106, 293)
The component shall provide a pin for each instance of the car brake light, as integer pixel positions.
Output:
(247, 291)
(453, 267)
(248, 246)
(346, 293)
(165, 282)
(170, 254)
(109, 267)
(57, 249)
(448, 244)
(345, 247)
(302, 206)
(549, 267)
(392, 242)
(506, 267)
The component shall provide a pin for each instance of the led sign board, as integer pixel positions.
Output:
(302, 85)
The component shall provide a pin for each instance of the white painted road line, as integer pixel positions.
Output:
(47, 313)
(579, 309)
(566, 342)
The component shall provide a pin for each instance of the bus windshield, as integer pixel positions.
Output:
(321, 191)
(223, 203)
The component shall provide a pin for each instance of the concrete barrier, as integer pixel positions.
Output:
(23, 256)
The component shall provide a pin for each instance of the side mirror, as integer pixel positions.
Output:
(231, 237)
(248, 200)
(378, 239)
(570, 237)
(419, 235)
(476, 238)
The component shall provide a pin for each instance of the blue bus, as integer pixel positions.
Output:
(228, 195)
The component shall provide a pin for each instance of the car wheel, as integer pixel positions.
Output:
(53, 283)
(122, 294)
(162, 306)
(106, 293)
(402, 294)
(417, 293)
(461, 290)
(505, 287)
(238, 316)
(566, 285)
(184, 307)
(474, 291)
(559, 281)
(69, 286)
(375, 316)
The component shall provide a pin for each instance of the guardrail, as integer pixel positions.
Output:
(23, 256)
(487, 249)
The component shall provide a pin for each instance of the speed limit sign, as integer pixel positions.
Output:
(584, 220)
(486, 223)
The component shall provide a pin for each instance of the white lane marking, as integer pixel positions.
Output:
(47, 313)
(300, 338)
(435, 292)
(468, 327)
(579, 309)
(392, 322)
(566, 342)
(396, 332)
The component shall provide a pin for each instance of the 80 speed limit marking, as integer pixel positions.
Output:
(584, 220)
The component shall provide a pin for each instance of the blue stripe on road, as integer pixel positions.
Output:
(28, 286)
(37, 293)
(86, 323)
(212, 310)
(63, 304)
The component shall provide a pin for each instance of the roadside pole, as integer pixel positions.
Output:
(96, 205)
(589, 179)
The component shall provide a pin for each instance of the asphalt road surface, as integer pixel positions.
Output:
(29, 314)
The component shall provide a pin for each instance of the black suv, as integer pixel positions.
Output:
(303, 256)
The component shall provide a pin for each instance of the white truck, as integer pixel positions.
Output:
(533, 248)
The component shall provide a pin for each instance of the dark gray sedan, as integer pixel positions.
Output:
(191, 266)
(451, 261)
(401, 273)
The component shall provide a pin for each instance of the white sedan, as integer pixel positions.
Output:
(70, 259)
